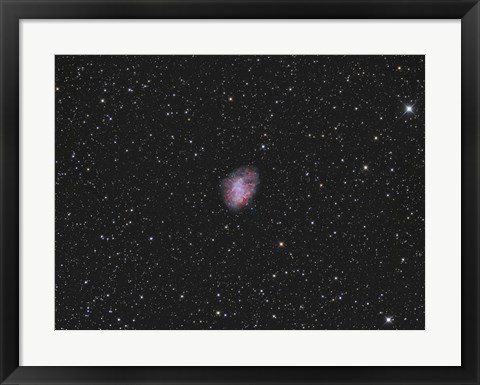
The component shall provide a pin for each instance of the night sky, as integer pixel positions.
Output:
(240, 192)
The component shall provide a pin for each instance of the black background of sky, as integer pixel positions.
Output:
(333, 238)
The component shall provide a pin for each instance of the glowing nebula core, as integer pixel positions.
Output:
(239, 187)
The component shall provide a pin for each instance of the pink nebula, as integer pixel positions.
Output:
(239, 188)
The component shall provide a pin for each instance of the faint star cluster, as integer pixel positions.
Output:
(327, 226)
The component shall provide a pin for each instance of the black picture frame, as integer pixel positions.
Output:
(12, 11)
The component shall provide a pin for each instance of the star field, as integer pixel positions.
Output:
(327, 234)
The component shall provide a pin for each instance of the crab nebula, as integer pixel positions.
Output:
(239, 187)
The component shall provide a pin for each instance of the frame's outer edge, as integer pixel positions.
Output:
(470, 108)
(3, 346)
(242, 9)
(10, 14)
(9, 192)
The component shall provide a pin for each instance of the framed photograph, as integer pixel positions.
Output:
(238, 192)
